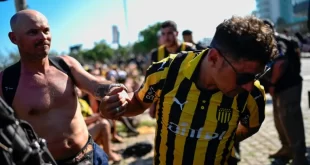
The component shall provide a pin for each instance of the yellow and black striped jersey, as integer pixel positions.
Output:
(195, 126)
(161, 52)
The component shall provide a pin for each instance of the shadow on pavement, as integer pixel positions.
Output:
(147, 161)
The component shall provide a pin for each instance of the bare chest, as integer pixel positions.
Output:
(37, 94)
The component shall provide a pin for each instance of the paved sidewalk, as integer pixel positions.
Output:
(254, 151)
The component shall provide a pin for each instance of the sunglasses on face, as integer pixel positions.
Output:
(244, 78)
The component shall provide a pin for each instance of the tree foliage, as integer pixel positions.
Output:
(7, 60)
(102, 52)
(4, 62)
(148, 39)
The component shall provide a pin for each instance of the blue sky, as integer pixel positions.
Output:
(88, 21)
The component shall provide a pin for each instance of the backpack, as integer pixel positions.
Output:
(11, 77)
(287, 53)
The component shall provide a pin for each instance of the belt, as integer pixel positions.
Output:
(85, 150)
(88, 148)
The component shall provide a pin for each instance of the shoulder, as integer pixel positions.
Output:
(258, 92)
(189, 46)
(161, 65)
(70, 61)
(259, 87)
(295, 43)
(154, 51)
(166, 61)
(294, 39)
(199, 46)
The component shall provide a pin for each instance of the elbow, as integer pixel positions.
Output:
(254, 130)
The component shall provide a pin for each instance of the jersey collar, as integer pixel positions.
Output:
(191, 67)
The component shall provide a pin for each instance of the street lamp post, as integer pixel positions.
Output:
(20, 5)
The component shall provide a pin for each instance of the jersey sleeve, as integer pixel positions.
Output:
(190, 47)
(254, 112)
(154, 80)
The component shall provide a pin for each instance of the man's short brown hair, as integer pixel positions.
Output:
(171, 24)
(246, 38)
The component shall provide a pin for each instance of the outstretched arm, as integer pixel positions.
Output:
(112, 105)
(87, 82)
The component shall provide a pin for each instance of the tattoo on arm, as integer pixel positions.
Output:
(101, 90)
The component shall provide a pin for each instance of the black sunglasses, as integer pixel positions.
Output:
(244, 78)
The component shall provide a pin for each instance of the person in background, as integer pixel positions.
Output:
(188, 37)
(118, 76)
(285, 88)
(160, 40)
(170, 45)
(98, 127)
(94, 104)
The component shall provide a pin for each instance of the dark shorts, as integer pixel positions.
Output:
(90, 154)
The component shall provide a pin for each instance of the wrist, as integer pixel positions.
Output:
(117, 85)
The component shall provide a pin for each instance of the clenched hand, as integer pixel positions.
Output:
(113, 105)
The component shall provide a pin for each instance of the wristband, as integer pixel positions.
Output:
(117, 85)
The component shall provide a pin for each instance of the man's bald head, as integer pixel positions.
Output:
(25, 15)
(31, 33)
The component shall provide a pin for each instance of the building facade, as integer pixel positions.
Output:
(286, 14)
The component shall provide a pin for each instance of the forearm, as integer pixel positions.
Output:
(101, 88)
(243, 132)
(275, 76)
(134, 106)
(277, 71)
(91, 119)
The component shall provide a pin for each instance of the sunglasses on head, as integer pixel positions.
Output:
(244, 78)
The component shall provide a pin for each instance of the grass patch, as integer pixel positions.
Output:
(148, 123)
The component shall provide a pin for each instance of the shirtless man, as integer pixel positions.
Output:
(45, 96)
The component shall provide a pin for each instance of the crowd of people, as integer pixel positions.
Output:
(206, 100)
